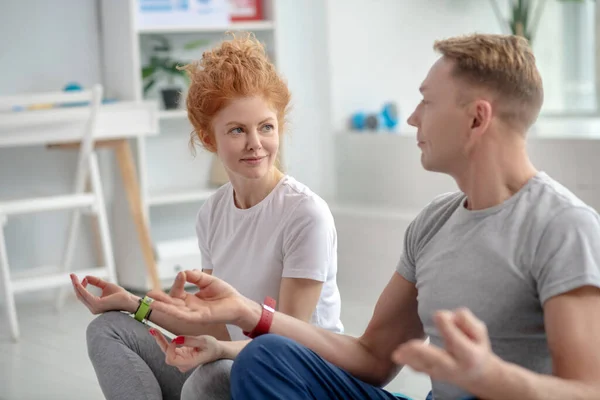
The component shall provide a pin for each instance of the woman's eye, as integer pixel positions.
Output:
(268, 127)
(236, 131)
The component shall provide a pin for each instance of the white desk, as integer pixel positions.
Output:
(117, 122)
(64, 125)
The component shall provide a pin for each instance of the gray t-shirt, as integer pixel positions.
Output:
(502, 263)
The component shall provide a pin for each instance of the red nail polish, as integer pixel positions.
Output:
(179, 340)
(152, 331)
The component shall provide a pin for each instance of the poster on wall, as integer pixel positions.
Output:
(245, 10)
(200, 13)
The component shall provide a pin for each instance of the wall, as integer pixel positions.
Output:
(304, 57)
(381, 50)
(45, 45)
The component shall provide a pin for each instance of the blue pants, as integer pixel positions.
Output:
(273, 367)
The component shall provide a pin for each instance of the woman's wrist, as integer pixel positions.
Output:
(230, 349)
(132, 303)
(227, 350)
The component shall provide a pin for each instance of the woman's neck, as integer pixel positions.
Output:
(249, 192)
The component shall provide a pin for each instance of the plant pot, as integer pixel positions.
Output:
(171, 98)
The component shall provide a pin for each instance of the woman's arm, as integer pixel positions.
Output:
(298, 298)
(179, 296)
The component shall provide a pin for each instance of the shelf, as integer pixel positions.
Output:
(237, 26)
(177, 196)
(169, 249)
(172, 114)
(177, 255)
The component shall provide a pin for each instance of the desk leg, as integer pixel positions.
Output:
(130, 182)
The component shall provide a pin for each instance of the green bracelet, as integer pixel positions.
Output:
(143, 310)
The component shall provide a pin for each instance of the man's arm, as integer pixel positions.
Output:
(572, 323)
(395, 320)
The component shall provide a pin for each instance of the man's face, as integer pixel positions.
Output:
(442, 122)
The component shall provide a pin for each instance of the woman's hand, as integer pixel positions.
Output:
(215, 302)
(113, 297)
(187, 352)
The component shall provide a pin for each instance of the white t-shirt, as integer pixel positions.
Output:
(289, 234)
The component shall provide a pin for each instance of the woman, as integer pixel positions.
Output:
(264, 233)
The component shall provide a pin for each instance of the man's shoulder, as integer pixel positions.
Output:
(433, 217)
(550, 200)
(440, 208)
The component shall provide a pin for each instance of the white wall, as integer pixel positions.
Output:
(381, 50)
(303, 57)
(44, 46)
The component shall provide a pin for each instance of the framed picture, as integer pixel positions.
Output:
(246, 10)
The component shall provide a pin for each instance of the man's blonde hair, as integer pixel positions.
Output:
(503, 65)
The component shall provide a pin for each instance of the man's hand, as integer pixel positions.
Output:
(215, 302)
(466, 358)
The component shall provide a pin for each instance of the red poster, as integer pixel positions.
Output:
(246, 10)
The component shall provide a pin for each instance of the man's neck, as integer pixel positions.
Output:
(495, 174)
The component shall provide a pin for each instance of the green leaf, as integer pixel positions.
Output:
(195, 44)
(147, 71)
(148, 85)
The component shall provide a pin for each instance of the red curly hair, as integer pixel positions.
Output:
(236, 68)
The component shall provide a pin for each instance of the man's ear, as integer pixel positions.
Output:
(480, 114)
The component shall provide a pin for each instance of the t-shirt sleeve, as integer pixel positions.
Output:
(406, 266)
(310, 242)
(568, 255)
(202, 230)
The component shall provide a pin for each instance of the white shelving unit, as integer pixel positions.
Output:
(173, 183)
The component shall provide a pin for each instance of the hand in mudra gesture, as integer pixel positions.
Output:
(188, 352)
(214, 302)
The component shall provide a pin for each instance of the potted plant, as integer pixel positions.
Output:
(524, 16)
(162, 66)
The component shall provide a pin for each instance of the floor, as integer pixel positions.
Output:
(50, 361)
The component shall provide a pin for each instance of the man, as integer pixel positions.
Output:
(503, 276)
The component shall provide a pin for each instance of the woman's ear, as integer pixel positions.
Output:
(208, 141)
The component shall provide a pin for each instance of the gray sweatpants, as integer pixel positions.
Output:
(130, 365)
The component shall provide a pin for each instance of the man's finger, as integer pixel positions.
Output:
(424, 358)
(455, 340)
(473, 327)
